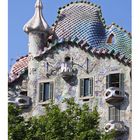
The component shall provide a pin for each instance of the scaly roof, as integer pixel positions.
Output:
(18, 68)
(82, 20)
(80, 23)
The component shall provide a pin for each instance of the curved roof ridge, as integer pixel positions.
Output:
(78, 2)
(18, 68)
(82, 19)
(84, 45)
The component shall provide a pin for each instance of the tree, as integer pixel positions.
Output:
(74, 123)
(15, 123)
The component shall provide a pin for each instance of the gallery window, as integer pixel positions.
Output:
(115, 80)
(86, 87)
(114, 113)
(45, 91)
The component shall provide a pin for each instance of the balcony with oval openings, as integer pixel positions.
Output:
(114, 88)
(113, 95)
(23, 101)
(117, 126)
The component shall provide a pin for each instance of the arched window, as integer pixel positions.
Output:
(111, 39)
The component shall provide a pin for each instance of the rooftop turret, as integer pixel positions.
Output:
(37, 22)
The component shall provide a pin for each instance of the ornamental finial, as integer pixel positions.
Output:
(37, 22)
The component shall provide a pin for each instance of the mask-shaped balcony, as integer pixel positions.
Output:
(117, 126)
(66, 68)
(21, 101)
(114, 95)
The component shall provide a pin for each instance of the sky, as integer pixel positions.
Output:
(20, 11)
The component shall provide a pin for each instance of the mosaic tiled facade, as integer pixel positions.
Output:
(75, 58)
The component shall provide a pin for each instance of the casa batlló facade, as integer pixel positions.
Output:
(78, 56)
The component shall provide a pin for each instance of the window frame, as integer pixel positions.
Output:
(93, 86)
(51, 96)
(120, 82)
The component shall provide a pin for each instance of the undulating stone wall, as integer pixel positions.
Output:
(48, 69)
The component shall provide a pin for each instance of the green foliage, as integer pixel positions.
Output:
(15, 123)
(74, 123)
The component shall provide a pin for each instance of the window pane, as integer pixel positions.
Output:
(46, 91)
(114, 80)
(86, 87)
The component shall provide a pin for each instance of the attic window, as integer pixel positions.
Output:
(111, 39)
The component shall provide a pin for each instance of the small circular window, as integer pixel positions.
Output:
(67, 58)
(117, 92)
(108, 93)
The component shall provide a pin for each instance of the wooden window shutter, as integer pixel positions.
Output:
(51, 91)
(41, 91)
(81, 87)
(114, 113)
(117, 114)
(111, 113)
(121, 81)
(91, 86)
(107, 81)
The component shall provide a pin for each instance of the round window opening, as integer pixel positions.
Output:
(108, 93)
(67, 58)
(117, 92)
(22, 101)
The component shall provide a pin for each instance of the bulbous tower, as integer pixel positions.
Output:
(38, 30)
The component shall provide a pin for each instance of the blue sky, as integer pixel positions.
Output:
(20, 11)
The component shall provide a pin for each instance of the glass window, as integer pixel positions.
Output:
(86, 87)
(46, 91)
(115, 80)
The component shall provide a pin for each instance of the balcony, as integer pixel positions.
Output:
(114, 95)
(66, 69)
(118, 126)
(21, 101)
